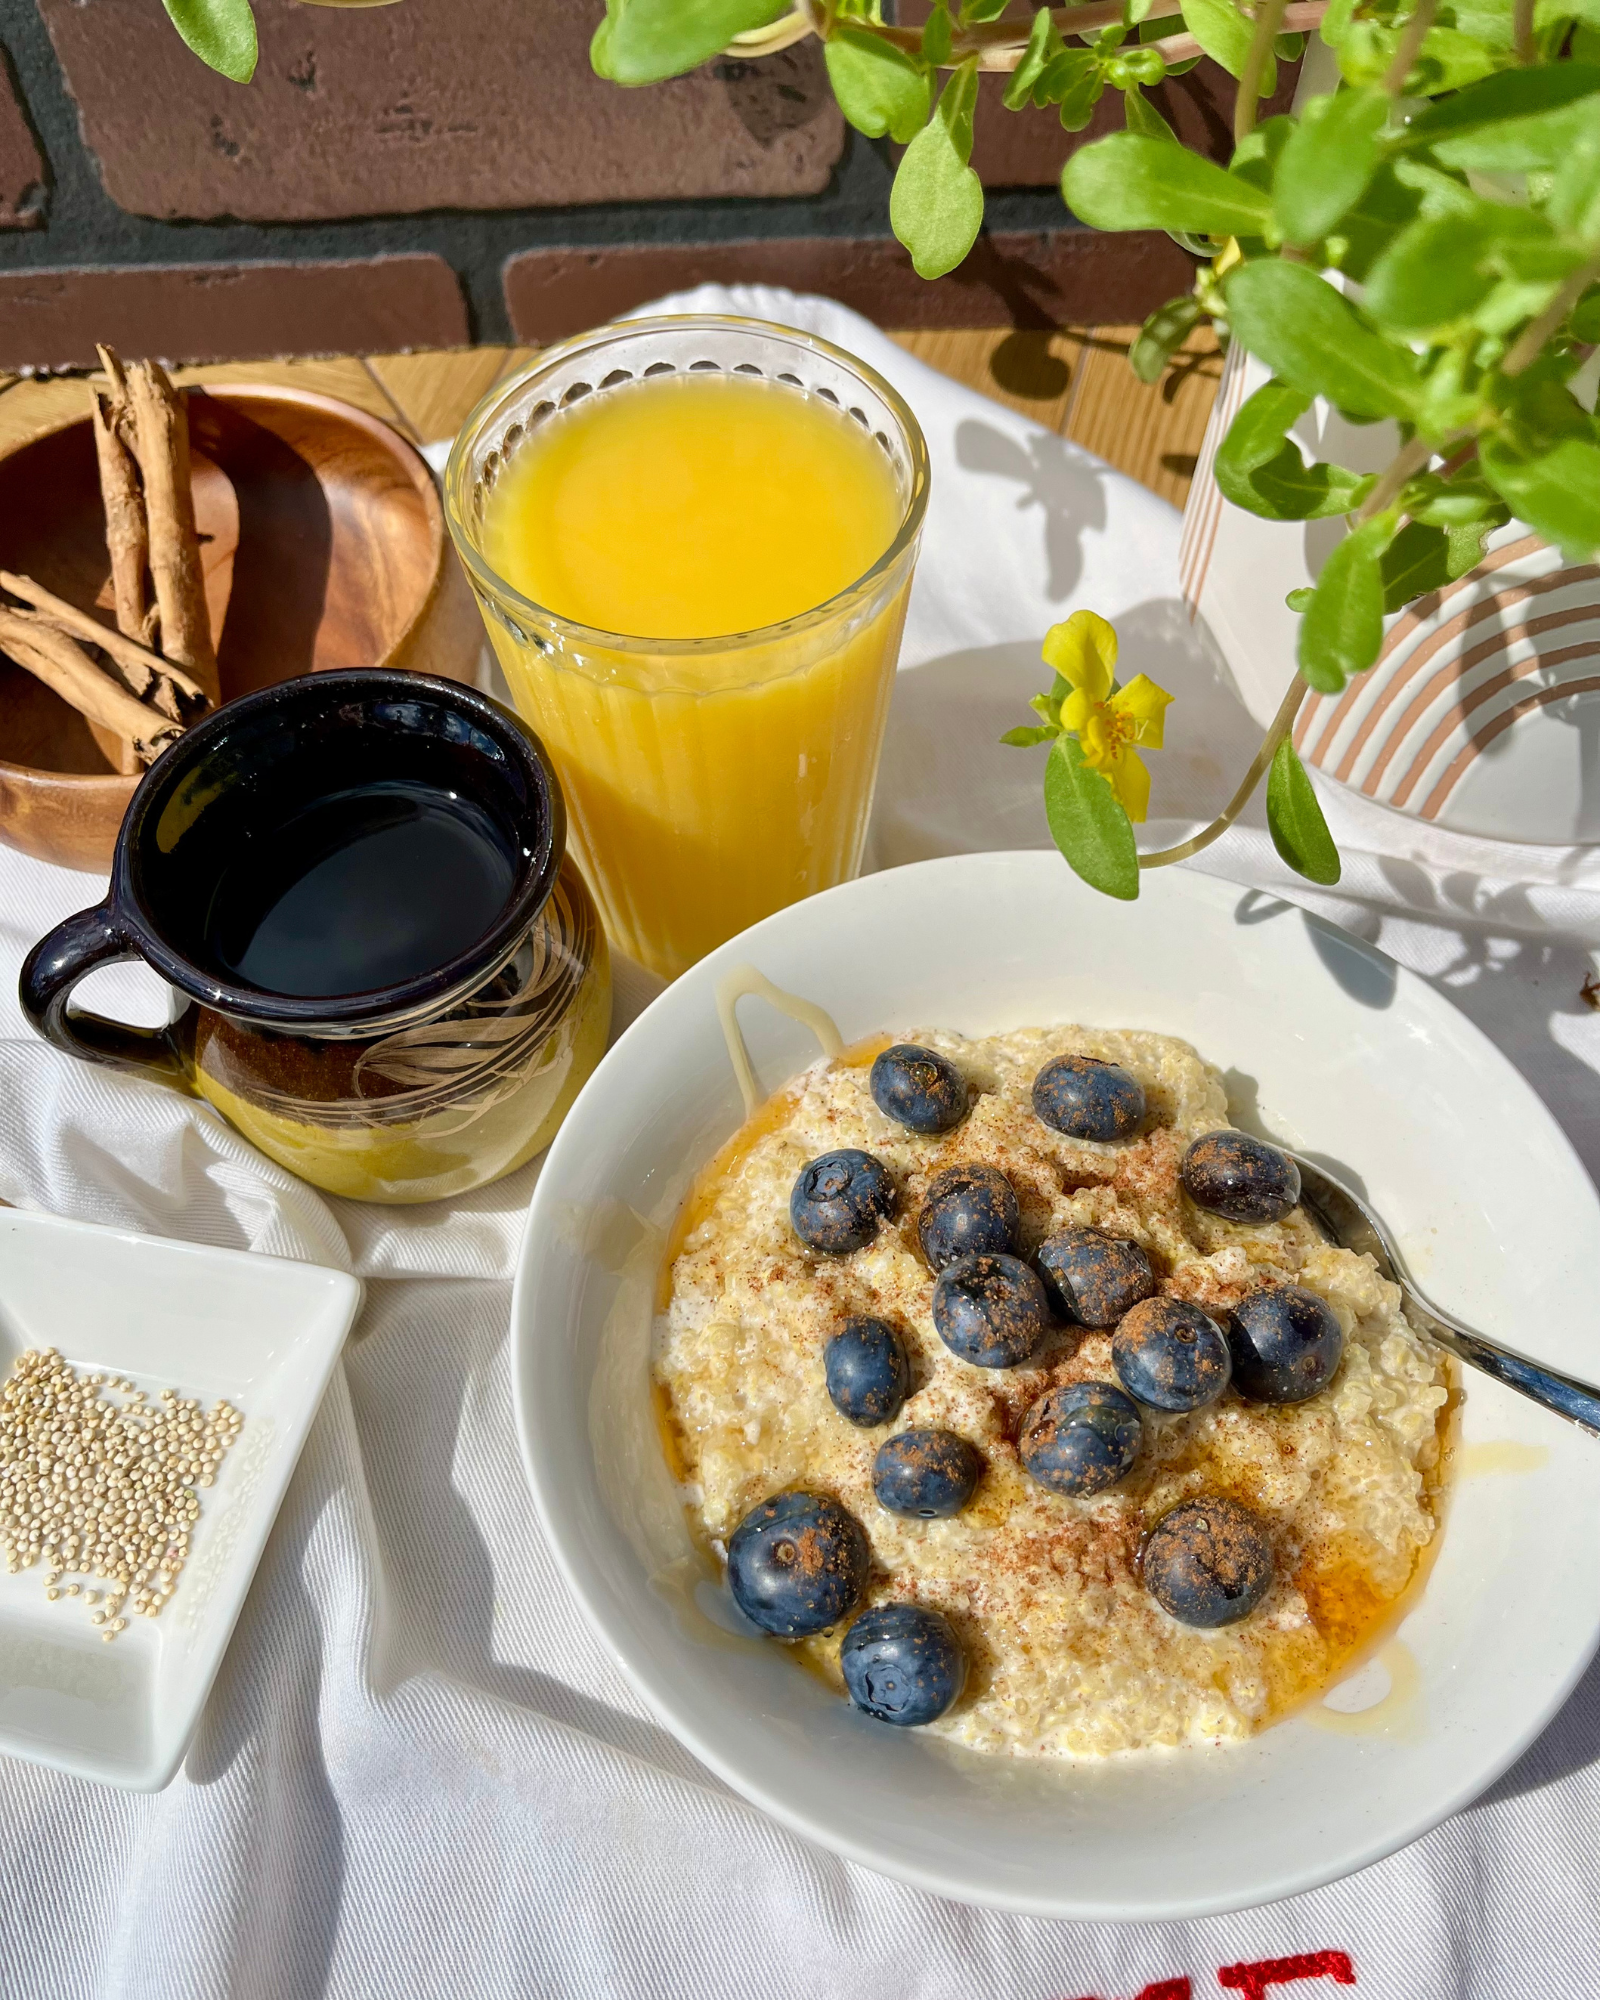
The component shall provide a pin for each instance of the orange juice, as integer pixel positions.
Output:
(696, 587)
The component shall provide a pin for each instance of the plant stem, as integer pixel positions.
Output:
(1411, 39)
(1269, 20)
(1530, 342)
(1282, 723)
(1522, 31)
(1409, 459)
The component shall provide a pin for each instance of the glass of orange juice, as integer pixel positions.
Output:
(692, 541)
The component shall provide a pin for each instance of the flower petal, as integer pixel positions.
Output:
(1075, 712)
(1083, 649)
(1099, 743)
(1144, 704)
(1131, 783)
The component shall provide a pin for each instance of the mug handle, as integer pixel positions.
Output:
(54, 967)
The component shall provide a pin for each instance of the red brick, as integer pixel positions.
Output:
(21, 168)
(472, 104)
(1066, 276)
(230, 312)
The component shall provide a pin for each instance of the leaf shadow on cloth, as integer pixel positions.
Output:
(948, 785)
(1499, 949)
(1054, 476)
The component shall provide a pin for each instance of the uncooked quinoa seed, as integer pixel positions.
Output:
(98, 1481)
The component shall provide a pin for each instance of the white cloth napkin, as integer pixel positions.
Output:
(419, 1774)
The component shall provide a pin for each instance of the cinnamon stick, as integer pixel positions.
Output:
(126, 539)
(144, 673)
(62, 664)
(161, 444)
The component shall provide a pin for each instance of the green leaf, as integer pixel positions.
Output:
(1294, 819)
(1383, 208)
(1583, 322)
(1131, 181)
(881, 90)
(1081, 93)
(1442, 267)
(1258, 467)
(983, 10)
(1299, 601)
(1342, 629)
(646, 41)
(1310, 336)
(1450, 503)
(1467, 545)
(1553, 486)
(1289, 48)
(1415, 562)
(1027, 735)
(222, 33)
(1141, 116)
(1255, 158)
(1327, 162)
(1088, 823)
(1135, 67)
(1044, 43)
(1574, 204)
(936, 203)
(1162, 334)
(1513, 121)
(938, 38)
(1224, 33)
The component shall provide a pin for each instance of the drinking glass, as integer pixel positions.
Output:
(709, 781)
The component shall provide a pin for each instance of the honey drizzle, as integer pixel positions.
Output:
(740, 982)
(1354, 1619)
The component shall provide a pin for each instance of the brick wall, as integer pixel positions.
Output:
(440, 171)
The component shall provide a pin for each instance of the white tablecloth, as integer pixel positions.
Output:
(419, 1774)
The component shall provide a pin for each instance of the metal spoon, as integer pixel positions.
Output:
(1347, 1220)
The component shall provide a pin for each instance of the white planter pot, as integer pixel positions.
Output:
(1482, 713)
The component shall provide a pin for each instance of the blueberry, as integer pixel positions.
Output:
(796, 1564)
(1082, 1438)
(919, 1088)
(839, 1200)
(1171, 1355)
(1208, 1562)
(1241, 1178)
(1286, 1344)
(903, 1664)
(990, 1310)
(866, 1370)
(968, 1209)
(927, 1473)
(1094, 1278)
(1087, 1098)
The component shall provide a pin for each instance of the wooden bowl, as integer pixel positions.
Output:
(325, 547)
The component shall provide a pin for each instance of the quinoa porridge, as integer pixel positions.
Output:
(1067, 1650)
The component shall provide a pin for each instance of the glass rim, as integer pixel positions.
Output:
(489, 580)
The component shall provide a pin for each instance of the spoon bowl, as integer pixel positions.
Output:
(1347, 1220)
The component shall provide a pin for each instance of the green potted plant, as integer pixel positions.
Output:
(1420, 245)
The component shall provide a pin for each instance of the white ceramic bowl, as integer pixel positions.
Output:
(1326, 1045)
(264, 1332)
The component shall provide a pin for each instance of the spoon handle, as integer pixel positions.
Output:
(1576, 1401)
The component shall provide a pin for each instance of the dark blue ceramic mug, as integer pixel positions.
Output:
(394, 980)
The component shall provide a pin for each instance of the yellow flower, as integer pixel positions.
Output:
(1107, 720)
